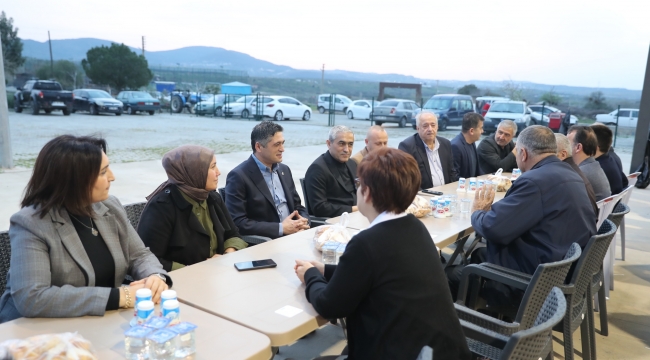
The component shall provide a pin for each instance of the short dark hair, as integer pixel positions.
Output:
(392, 177)
(471, 120)
(586, 137)
(65, 172)
(537, 140)
(263, 132)
(604, 136)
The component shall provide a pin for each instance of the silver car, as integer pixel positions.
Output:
(395, 110)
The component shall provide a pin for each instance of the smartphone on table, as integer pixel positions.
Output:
(431, 192)
(255, 264)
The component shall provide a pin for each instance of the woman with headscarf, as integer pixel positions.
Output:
(185, 220)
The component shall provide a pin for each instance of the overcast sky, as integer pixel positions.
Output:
(572, 42)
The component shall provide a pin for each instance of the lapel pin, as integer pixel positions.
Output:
(283, 173)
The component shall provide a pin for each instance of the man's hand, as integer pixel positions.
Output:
(291, 226)
(483, 198)
(301, 267)
(355, 208)
(229, 250)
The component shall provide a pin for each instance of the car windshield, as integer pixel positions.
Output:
(437, 104)
(507, 108)
(141, 95)
(98, 94)
(388, 103)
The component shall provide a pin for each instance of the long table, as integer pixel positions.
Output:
(271, 301)
(216, 338)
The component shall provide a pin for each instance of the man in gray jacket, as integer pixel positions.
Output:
(584, 144)
(498, 151)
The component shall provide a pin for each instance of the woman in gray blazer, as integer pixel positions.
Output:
(71, 243)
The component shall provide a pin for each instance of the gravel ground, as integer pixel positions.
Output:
(144, 137)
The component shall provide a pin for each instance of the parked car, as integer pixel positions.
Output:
(341, 103)
(395, 110)
(516, 111)
(450, 109)
(556, 116)
(539, 119)
(283, 107)
(482, 100)
(213, 104)
(96, 102)
(626, 117)
(135, 101)
(360, 109)
(45, 95)
(241, 107)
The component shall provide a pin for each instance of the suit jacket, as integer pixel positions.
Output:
(325, 188)
(617, 180)
(463, 153)
(414, 146)
(51, 274)
(250, 203)
(590, 189)
(173, 233)
(543, 213)
(396, 299)
(491, 156)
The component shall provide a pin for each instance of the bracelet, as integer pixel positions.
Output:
(127, 295)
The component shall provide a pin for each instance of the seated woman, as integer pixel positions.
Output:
(185, 220)
(389, 283)
(71, 243)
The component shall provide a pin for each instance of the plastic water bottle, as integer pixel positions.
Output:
(339, 251)
(171, 310)
(329, 252)
(162, 345)
(186, 340)
(145, 311)
(136, 344)
(157, 323)
(167, 295)
(140, 295)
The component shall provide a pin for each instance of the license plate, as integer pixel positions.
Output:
(380, 117)
(57, 103)
(149, 103)
(112, 108)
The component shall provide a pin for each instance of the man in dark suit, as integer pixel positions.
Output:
(612, 168)
(463, 146)
(498, 151)
(432, 153)
(329, 180)
(564, 153)
(260, 194)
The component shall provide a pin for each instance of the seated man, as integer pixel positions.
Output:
(432, 152)
(463, 146)
(498, 151)
(375, 138)
(329, 181)
(544, 212)
(260, 194)
(617, 179)
(564, 153)
(583, 148)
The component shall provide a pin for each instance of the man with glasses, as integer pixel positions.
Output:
(498, 151)
(329, 181)
(432, 153)
(260, 194)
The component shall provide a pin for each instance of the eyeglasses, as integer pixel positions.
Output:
(357, 183)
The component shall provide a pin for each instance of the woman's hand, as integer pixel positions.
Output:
(157, 286)
(133, 287)
(301, 267)
(320, 266)
(229, 250)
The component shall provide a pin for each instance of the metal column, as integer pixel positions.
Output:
(643, 125)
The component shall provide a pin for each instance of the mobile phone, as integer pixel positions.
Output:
(432, 192)
(255, 264)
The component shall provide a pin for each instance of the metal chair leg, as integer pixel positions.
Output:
(602, 302)
(621, 231)
(586, 343)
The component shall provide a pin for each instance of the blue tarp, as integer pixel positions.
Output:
(236, 88)
(163, 86)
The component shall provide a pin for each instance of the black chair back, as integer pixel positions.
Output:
(133, 212)
(5, 259)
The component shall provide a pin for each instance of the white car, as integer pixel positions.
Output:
(341, 103)
(549, 110)
(360, 109)
(516, 111)
(283, 107)
(241, 107)
(626, 117)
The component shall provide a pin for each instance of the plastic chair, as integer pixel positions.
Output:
(5, 259)
(617, 216)
(251, 240)
(315, 220)
(602, 239)
(529, 344)
(133, 212)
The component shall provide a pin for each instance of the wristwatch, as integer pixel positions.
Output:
(161, 276)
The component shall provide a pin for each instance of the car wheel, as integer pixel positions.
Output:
(321, 110)
(73, 110)
(48, 111)
(129, 110)
(218, 112)
(443, 125)
(402, 122)
(177, 104)
(93, 110)
(279, 116)
(35, 108)
(17, 107)
(245, 114)
(306, 116)
(151, 112)
(345, 110)
(66, 112)
(350, 115)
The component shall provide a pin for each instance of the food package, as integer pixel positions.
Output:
(420, 207)
(49, 347)
(333, 233)
(503, 183)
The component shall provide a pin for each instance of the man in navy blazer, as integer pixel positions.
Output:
(463, 146)
(260, 193)
(432, 152)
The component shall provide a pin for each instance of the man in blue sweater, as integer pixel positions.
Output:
(463, 146)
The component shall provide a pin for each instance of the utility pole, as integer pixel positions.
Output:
(143, 46)
(5, 140)
(51, 58)
(322, 77)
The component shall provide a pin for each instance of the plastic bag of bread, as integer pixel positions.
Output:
(503, 183)
(419, 207)
(49, 347)
(333, 233)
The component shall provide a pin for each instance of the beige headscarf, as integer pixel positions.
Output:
(187, 167)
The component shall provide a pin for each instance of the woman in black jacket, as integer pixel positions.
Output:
(185, 220)
(389, 283)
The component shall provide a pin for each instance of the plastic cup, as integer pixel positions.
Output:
(465, 205)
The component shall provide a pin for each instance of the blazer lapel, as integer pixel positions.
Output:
(258, 180)
(71, 241)
(443, 153)
(419, 145)
(334, 170)
(284, 179)
(107, 226)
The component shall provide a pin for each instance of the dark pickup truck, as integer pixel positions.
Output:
(45, 95)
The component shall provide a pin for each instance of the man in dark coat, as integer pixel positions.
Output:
(498, 151)
(564, 154)
(613, 169)
(260, 194)
(463, 146)
(432, 153)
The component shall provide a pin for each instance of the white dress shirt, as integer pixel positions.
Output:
(437, 176)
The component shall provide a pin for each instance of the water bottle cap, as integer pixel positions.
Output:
(168, 294)
(171, 304)
(144, 292)
(145, 305)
